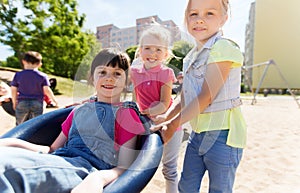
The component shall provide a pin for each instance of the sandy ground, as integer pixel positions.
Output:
(270, 163)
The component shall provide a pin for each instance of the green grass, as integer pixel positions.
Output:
(70, 88)
(65, 86)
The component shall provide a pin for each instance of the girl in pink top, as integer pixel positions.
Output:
(152, 82)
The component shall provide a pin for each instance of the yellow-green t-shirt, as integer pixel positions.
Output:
(232, 119)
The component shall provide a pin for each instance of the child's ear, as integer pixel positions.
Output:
(24, 63)
(225, 18)
(167, 54)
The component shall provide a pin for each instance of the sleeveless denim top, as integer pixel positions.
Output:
(195, 66)
(92, 134)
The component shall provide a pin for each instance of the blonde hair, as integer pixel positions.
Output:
(162, 34)
(225, 5)
(159, 32)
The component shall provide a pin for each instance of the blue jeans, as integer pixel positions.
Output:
(27, 171)
(27, 109)
(207, 151)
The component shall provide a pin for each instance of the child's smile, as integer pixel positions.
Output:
(109, 83)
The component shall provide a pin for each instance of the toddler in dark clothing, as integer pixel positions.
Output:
(28, 88)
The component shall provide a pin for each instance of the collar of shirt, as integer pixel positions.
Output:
(211, 41)
(155, 69)
(194, 53)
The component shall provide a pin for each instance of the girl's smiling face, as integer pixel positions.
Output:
(109, 83)
(153, 52)
(204, 18)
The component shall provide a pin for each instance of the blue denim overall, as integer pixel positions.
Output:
(92, 136)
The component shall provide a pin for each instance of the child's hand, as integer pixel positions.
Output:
(167, 133)
(159, 119)
(155, 128)
(166, 130)
(145, 112)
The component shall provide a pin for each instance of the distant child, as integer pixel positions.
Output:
(152, 81)
(211, 101)
(96, 144)
(28, 88)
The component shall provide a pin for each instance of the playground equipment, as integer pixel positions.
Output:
(267, 64)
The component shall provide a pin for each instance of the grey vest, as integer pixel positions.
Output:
(195, 67)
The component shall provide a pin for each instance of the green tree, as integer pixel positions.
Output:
(13, 62)
(180, 50)
(83, 69)
(131, 52)
(51, 27)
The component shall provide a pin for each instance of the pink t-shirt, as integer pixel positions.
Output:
(148, 83)
(127, 125)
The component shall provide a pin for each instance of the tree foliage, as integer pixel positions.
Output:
(180, 50)
(85, 65)
(131, 52)
(51, 27)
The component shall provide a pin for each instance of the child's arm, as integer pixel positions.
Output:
(164, 103)
(215, 78)
(174, 109)
(59, 142)
(14, 142)
(47, 91)
(95, 181)
(14, 94)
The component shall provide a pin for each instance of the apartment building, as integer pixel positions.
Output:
(272, 34)
(113, 36)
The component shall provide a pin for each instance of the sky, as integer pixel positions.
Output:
(123, 13)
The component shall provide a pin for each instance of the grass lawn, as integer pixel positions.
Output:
(70, 88)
